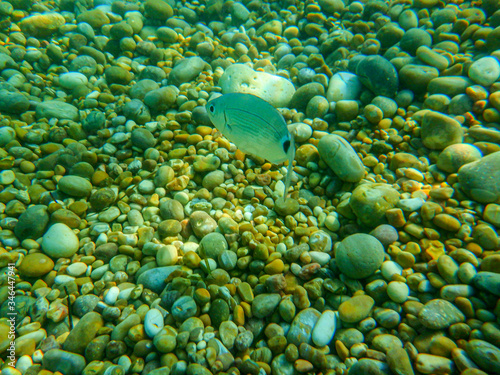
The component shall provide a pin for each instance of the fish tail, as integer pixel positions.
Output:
(289, 171)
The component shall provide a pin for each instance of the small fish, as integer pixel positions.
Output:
(255, 127)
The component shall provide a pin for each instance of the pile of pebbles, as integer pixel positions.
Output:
(175, 253)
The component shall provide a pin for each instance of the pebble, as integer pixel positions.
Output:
(302, 326)
(239, 78)
(36, 265)
(324, 330)
(439, 314)
(485, 71)
(369, 202)
(455, 156)
(75, 186)
(439, 131)
(479, 179)
(378, 75)
(339, 155)
(356, 308)
(60, 241)
(343, 86)
(63, 361)
(72, 80)
(83, 333)
(57, 109)
(359, 255)
(265, 304)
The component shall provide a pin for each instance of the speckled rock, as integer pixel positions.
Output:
(359, 255)
(240, 78)
(202, 223)
(440, 314)
(42, 25)
(481, 179)
(265, 304)
(57, 109)
(339, 155)
(369, 202)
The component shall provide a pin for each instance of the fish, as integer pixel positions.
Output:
(255, 127)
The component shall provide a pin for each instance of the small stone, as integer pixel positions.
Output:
(356, 309)
(440, 314)
(202, 223)
(302, 326)
(60, 241)
(286, 206)
(183, 308)
(32, 223)
(491, 214)
(485, 71)
(42, 25)
(212, 245)
(378, 75)
(219, 312)
(75, 186)
(481, 179)
(154, 279)
(186, 70)
(413, 39)
(455, 156)
(158, 9)
(56, 109)
(489, 281)
(339, 155)
(265, 304)
(36, 265)
(359, 255)
(72, 80)
(343, 86)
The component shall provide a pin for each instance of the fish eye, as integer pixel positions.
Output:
(211, 108)
(286, 146)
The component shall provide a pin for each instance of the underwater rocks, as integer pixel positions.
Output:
(274, 89)
(480, 179)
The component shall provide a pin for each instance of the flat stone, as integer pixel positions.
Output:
(356, 308)
(265, 304)
(75, 186)
(369, 202)
(36, 265)
(56, 109)
(302, 326)
(439, 131)
(154, 279)
(32, 223)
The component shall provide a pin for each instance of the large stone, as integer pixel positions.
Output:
(484, 354)
(154, 279)
(359, 255)
(481, 179)
(378, 75)
(32, 223)
(65, 362)
(56, 109)
(239, 78)
(60, 241)
(83, 333)
(439, 131)
(75, 186)
(36, 265)
(42, 25)
(13, 102)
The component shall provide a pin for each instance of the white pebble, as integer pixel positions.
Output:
(112, 295)
(153, 322)
(76, 269)
(61, 279)
(24, 363)
(398, 291)
(320, 257)
(324, 330)
(167, 256)
(390, 268)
